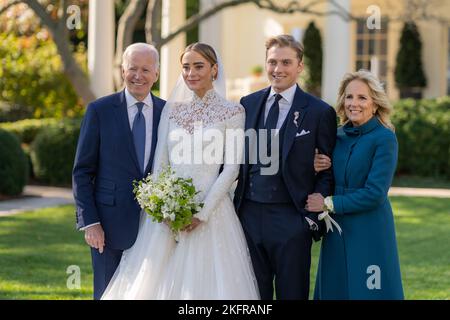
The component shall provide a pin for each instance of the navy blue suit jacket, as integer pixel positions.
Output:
(105, 167)
(297, 165)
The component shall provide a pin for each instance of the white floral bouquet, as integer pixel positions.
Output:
(168, 199)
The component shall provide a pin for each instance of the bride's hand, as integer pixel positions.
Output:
(166, 222)
(195, 222)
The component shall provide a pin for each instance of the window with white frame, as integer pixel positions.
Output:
(371, 49)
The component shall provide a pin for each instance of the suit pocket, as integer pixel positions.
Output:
(303, 136)
(105, 198)
(105, 184)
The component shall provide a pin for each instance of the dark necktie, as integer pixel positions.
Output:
(139, 135)
(271, 121)
(272, 117)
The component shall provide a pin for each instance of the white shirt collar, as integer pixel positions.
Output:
(131, 101)
(287, 94)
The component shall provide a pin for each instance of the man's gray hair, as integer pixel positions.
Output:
(139, 47)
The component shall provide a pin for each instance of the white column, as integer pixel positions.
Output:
(375, 66)
(210, 30)
(173, 16)
(336, 52)
(101, 46)
(298, 33)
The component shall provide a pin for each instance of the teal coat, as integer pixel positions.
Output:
(362, 262)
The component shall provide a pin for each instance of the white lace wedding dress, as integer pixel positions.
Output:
(212, 261)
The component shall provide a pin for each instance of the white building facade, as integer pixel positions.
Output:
(238, 34)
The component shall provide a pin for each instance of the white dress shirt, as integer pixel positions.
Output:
(285, 104)
(147, 111)
(132, 110)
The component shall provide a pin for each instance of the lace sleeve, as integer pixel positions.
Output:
(161, 159)
(234, 150)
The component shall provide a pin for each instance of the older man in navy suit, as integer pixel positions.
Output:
(271, 205)
(116, 146)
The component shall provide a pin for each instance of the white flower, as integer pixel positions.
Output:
(168, 197)
(296, 115)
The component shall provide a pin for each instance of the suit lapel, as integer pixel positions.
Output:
(121, 113)
(253, 117)
(157, 109)
(298, 105)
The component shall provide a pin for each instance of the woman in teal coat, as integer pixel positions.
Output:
(361, 262)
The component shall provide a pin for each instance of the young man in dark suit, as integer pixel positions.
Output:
(271, 205)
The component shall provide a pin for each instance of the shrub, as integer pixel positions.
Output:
(32, 82)
(409, 74)
(257, 70)
(53, 152)
(423, 133)
(13, 165)
(312, 42)
(13, 112)
(26, 130)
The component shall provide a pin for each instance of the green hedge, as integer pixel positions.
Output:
(423, 133)
(53, 152)
(422, 128)
(26, 130)
(14, 165)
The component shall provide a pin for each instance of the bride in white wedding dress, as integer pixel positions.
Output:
(211, 259)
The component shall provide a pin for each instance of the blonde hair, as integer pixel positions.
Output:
(383, 107)
(283, 41)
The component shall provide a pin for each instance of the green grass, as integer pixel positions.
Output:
(423, 234)
(423, 239)
(37, 247)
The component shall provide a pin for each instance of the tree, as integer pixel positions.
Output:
(55, 23)
(409, 75)
(312, 43)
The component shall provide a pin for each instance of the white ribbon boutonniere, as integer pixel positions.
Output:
(329, 221)
(296, 115)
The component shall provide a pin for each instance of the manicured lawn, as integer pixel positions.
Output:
(423, 238)
(37, 247)
(423, 233)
